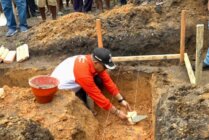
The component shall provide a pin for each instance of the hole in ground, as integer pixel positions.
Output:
(135, 87)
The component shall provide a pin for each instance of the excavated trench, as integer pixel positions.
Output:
(136, 86)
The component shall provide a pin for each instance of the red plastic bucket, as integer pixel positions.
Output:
(44, 87)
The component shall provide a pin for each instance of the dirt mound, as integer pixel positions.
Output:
(183, 112)
(135, 29)
(65, 117)
(14, 127)
(65, 28)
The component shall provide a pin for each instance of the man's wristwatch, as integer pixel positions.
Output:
(121, 100)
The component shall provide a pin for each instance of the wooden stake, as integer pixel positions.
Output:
(99, 33)
(146, 57)
(199, 46)
(189, 69)
(182, 39)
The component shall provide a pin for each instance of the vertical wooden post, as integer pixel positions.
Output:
(99, 33)
(199, 46)
(182, 38)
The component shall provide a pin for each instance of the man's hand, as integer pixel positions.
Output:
(121, 114)
(118, 113)
(126, 105)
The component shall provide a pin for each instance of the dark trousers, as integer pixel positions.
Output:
(32, 7)
(79, 6)
(123, 2)
(81, 94)
(88, 5)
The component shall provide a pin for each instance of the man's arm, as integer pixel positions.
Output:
(112, 88)
(108, 83)
(88, 84)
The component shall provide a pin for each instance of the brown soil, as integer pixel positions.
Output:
(13, 127)
(138, 93)
(67, 118)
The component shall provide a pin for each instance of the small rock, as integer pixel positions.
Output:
(4, 121)
(63, 118)
(60, 128)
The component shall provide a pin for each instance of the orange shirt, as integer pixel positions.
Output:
(84, 73)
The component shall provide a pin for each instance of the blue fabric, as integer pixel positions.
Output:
(8, 11)
(88, 5)
(11, 32)
(206, 61)
(79, 6)
(123, 2)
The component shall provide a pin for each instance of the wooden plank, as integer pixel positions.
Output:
(146, 57)
(2, 57)
(189, 69)
(26, 51)
(182, 39)
(10, 57)
(23, 53)
(199, 46)
(18, 54)
(99, 33)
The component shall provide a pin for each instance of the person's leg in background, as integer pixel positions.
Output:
(67, 3)
(67, 6)
(78, 5)
(72, 1)
(41, 5)
(8, 11)
(88, 5)
(107, 3)
(53, 9)
(22, 14)
(60, 7)
(28, 9)
(32, 6)
(123, 2)
(99, 5)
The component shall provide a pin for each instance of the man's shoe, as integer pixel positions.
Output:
(11, 32)
(205, 67)
(23, 29)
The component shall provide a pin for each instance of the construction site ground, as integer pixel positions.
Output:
(159, 89)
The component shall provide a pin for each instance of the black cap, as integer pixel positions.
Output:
(104, 56)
